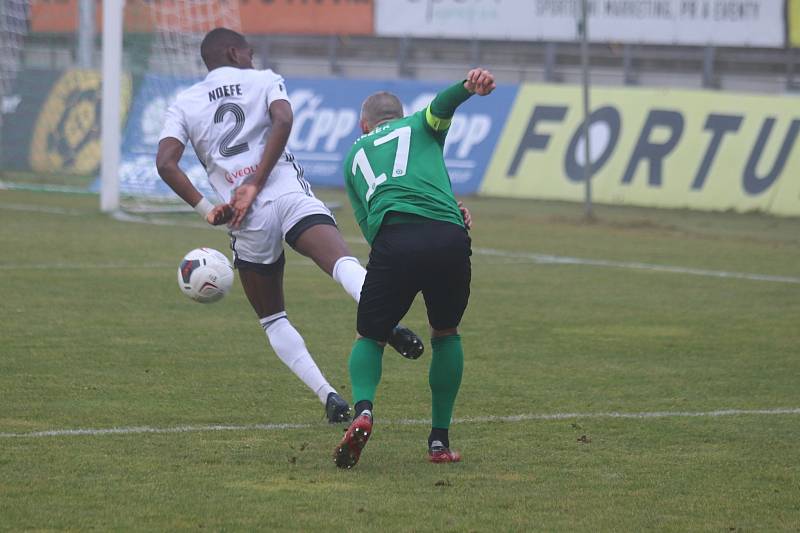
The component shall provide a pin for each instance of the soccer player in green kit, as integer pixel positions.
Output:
(402, 198)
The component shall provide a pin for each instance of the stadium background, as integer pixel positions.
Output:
(635, 372)
(693, 101)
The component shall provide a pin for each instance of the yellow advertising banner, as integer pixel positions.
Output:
(793, 22)
(66, 137)
(652, 147)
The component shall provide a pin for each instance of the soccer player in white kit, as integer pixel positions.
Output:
(238, 120)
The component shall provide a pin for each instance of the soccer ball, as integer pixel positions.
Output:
(205, 275)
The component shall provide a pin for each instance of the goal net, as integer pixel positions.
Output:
(13, 29)
(52, 67)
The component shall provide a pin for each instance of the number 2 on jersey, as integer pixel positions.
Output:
(360, 161)
(238, 115)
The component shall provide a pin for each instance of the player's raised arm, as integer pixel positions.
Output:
(280, 112)
(441, 110)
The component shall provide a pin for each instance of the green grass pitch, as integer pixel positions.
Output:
(95, 334)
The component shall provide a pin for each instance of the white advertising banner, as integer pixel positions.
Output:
(752, 23)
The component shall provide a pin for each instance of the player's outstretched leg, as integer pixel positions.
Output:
(263, 285)
(447, 367)
(291, 349)
(323, 243)
(350, 274)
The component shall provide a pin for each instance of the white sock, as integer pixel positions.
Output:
(350, 274)
(291, 349)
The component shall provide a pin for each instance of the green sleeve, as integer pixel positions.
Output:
(441, 111)
(359, 210)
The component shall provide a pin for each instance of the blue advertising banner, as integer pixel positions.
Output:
(326, 115)
(138, 175)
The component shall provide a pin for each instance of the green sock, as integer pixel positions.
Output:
(444, 377)
(365, 369)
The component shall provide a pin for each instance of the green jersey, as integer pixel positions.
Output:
(399, 167)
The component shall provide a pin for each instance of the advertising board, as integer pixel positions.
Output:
(326, 115)
(337, 17)
(758, 23)
(652, 147)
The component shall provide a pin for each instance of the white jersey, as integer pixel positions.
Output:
(226, 118)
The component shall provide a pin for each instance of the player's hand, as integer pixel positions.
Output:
(221, 214)
(480, 81)
(243, 197)
(466, 215)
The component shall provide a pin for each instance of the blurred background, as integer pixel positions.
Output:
(692, 102)
(639, 373)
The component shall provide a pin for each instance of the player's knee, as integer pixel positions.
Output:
(359, 337)
(445, 332)
(320, 241)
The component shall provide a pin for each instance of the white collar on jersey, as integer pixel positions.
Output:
(220, 71)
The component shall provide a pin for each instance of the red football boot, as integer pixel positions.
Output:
(438, 453)
(348, 451)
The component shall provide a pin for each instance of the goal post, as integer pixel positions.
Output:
(84, 86)
(159, 44)
(111, 122)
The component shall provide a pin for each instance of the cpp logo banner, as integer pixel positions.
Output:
(650, 147)
(326, 123)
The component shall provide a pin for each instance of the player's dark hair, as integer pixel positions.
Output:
(380, 107)
(215, 46)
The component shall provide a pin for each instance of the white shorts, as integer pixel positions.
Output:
(261, 240)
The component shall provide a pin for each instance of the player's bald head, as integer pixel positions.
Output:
(216, 46)
(380, 107)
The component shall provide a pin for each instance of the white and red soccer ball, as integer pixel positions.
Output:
(205, 275)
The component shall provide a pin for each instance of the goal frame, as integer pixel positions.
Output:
(111, 116)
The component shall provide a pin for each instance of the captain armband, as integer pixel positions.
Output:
(438, 124)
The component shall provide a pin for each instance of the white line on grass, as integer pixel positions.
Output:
(136, 430)
(544, 259)
(562, 260)
(84, 266)
(541, 258)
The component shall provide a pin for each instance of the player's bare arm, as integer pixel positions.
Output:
(280, 112)
(441, 110)
(168, 159)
